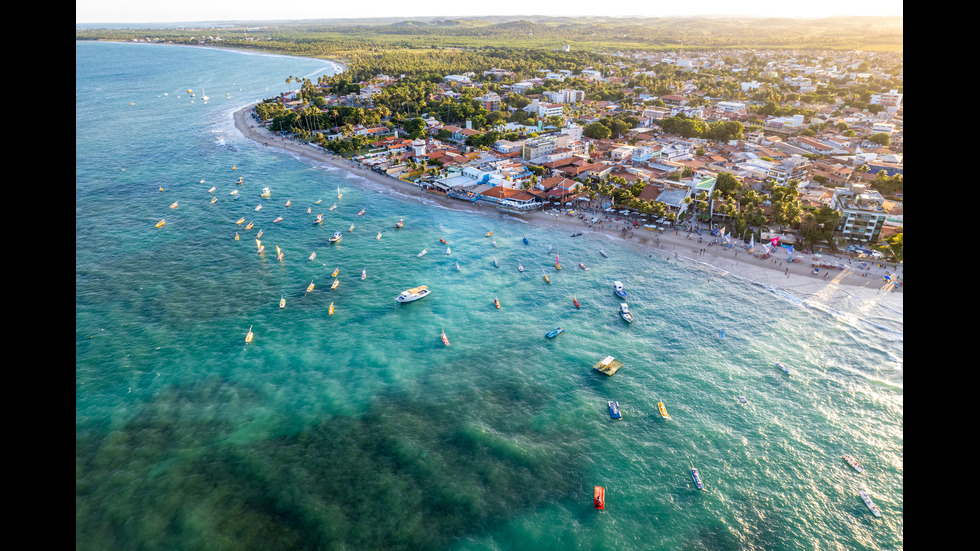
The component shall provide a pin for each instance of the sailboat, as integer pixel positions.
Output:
(557, 265)
(362, 212)
(212, 189)
(214, 200)
(457, 267)
(249, 226)
(379, 236)
(445, 340)
(258, 235)
(260, 246)
(493, 241)
(336, 282)
(351, 228)
(520, 267)
(449, 250)
(333, 207)
(313, 255)
(547, 280)
(249, 336)
(174, 205)
(160, 223)
(282, 302)
(422, 253)
(330, 310)
(310, 287)
(335, 272)
(289, 202)
(278, 254)
(339, 194)
(236, 236)
(277, 220)
(240, 221)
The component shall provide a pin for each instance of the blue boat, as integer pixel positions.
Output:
(781, 366)
(554, 332)
(618, 288)
(614, 410)
(525, 240)
(697, 478)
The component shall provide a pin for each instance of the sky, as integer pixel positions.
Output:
(167, 11)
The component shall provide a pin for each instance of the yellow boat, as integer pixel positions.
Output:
(174, 205)
(160, 223)
(310, 288)
(546, 278)
(278, 254)
(496, 302)
(236, 236)
(240, 221)
(663, 410)
(335, 272)
(336, 282)
(488, 234)
(289, 202)
(214, 199)
(249, 226)
(249, 336)
(330, 311)
(282, 302)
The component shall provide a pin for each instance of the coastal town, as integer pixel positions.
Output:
(799, 149)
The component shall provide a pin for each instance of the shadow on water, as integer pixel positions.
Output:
(409, 473)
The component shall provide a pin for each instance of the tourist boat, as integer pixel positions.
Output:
(258, 208)
(850, 461)
(624, 311)
(496, 302)
(449, 250)
(576, 302)
(697, 478)
(337, 236)
(364, 273)
(781, 366)
(249, 336)
(336, 282)
(445, 339)
(554, 332)
(599, 497)
(335, 272)
(379, 236)
(546, 279)
(488, 234)
(580, 265)
(330, 310)
(313, 255)
(663, 410)
(174, 205)
(214, 200)
(443, 241)
(603, 253)
(400, 223)
(423, 253)
(319, 219)
(867, 501)
(618, 288)
(520, 268)
(608, 365)
(309, 287)
(362, 212)
(333, 207)
(240, 221)
(160, 223)
(249, 226)
(413, 294)
(351, 228)
(265, 192)
(614, 412)
(524, 239)
(495, 263)
(277, 220)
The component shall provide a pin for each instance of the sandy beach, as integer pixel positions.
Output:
(668, 246)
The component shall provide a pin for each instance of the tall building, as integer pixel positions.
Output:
(863, 212)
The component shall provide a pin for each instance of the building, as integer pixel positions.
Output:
(490, 101)
(890, 101)
(794, 168)
(862, 210)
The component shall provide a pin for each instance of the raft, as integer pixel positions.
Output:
(607, 365)
(599, 498)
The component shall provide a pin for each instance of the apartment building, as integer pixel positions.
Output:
(863, 213)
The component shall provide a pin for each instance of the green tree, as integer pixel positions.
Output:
(596, 131)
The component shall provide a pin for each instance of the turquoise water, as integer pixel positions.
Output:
(361, 430)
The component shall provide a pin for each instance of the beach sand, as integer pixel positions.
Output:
(666, 246)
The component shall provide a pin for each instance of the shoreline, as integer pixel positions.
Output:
(776, 271)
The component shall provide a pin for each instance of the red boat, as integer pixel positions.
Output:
(599, 498)
(575, 302)
(443, 241)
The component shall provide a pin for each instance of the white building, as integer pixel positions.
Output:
(863, 212)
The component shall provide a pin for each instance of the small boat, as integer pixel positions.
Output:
(742, 400)
(313, 255)
(249, 336)
(379, 236)
(277, 220)
(258, 235)
(214, 200)
(337, 236)
(614, 412)
(867, 501)
(339, 194)
(697, 478)
(493, 241)
(520, 268)
(400, 223)
(309, 210)
(850, 461)
(234, 192)
(580, 265)
(335, 272)
(781, 366)
(618, 289)
(663, 410)
(160, 223)
(351, 228)
(282, 302)
(489, 233)
(603, 253)
(722, 334)
(495, 263)
(278, 253)
(330, 310)
(333, 207)
(260, 246)
(443, 241)
(240, 221)
(624, 311)
(364, 273)
(445, 339)
(309, 287)
(265, 192)
(524, 239)
(608, 365)
(554, 332)
(236, 236)
(174, 205)
(546, 279)
(319, 219)
(240, 180)
(249, 226)
(336, 282)
(212, 189)
(576, 302)
(599, 497)
(423, 253)
(362, 212)
(457, 267)
(289, 202)
(496, 302)
(576, 234)
(449, 250)
(318, 201)
(413, 294)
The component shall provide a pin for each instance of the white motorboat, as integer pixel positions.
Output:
(624, 310)
(413, 294)
(618, 288)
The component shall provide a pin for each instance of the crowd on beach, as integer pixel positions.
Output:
(841, 269)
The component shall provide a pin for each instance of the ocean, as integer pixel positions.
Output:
(361, 429)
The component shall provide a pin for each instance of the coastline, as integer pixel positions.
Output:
(775, 271)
